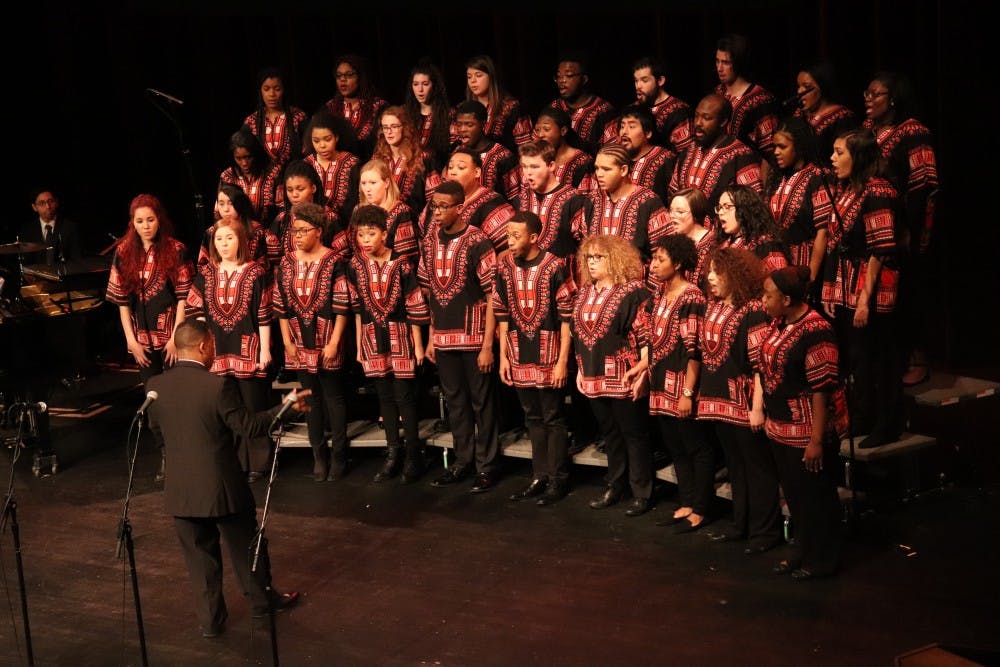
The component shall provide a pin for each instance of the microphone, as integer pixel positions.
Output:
(40, 407)
(169, 98)
(150, 397)
(286, 405)
(795, 99)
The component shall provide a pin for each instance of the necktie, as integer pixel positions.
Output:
(48, 234)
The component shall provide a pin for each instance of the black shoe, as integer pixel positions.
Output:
(451, 476)
(212, 631)
(726, 537)
(610, 496)
(254, 477)
(761, 547)
(672, 520)
(321, 467)
(338, 468)
(484, 482)
(533, 490)
(390, 467)
(554, 492)
(280, 602)
(413, 468)
(637, 507)
(685, 526)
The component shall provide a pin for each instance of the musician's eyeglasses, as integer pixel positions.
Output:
(724, 208)
(302, 231)
(391, 128)
(434, 208)
(565, 77)
(345, 75)
(872, 94)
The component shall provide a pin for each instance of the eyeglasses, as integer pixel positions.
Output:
(434, 208)
(565, 77)
(345, 75)
(391, 128)
(872, 94)
(302, 231)
(595, 257)
(724, 208)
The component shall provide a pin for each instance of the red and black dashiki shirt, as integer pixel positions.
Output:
(638, 217)
(712, 170)
(768, 250)
(801, 206)
(754, 118)
(261, 189)
(828, 126)
(303, 294)
(674, 123)
(235, 306)
(797, 360)
(654, 170)
(490, 212)
(730, 349)
(702, 246)
(596, 122)
(389, 301)
(534, 297)
(911, 166)
(411, 184)
(362, 118)
(674, 329)
(400, 234)
(864, 226)
(265, 247)
(154, 306)
(509, 126)
(610, 328)
(282, 143)
(334, 237)
(501, 171)
(459, 271)
(562, 214)
(577, 172)
(340, 184)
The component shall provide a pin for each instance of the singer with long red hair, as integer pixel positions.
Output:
(149, 282)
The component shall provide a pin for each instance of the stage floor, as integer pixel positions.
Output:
(414, 575)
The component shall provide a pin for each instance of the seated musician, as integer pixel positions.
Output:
(49, 227)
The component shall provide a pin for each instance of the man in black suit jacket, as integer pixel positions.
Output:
(58, 233)
(198, 414)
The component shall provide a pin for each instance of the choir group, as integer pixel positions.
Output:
(704, 276)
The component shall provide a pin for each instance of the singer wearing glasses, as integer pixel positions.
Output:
(593, 119)
(312, 333)
(398, 146)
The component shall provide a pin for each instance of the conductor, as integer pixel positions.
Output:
(198, 414)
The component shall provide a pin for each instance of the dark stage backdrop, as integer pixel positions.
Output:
(80, 119)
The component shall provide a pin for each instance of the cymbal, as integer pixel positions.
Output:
(21, 248)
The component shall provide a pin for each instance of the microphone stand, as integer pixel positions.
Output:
(10, 510)
(199, 206)
(844, 262)
(125, 534)
(261, 542)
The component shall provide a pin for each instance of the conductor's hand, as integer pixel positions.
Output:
(300, 399)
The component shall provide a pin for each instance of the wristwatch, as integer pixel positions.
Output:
(687, 392)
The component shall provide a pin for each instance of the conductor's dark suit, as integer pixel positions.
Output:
(206, 491)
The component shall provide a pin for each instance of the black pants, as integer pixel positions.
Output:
(813, 505)
(328, 407)
(199, 538)
(877, 361)
(754, 482)
(397, 398)
(254, 453)
(469, 396)
(694, 461)
(155, 367)
(544, 418)
(622, 424)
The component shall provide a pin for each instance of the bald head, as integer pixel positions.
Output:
(190, 334)
(711, 118)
